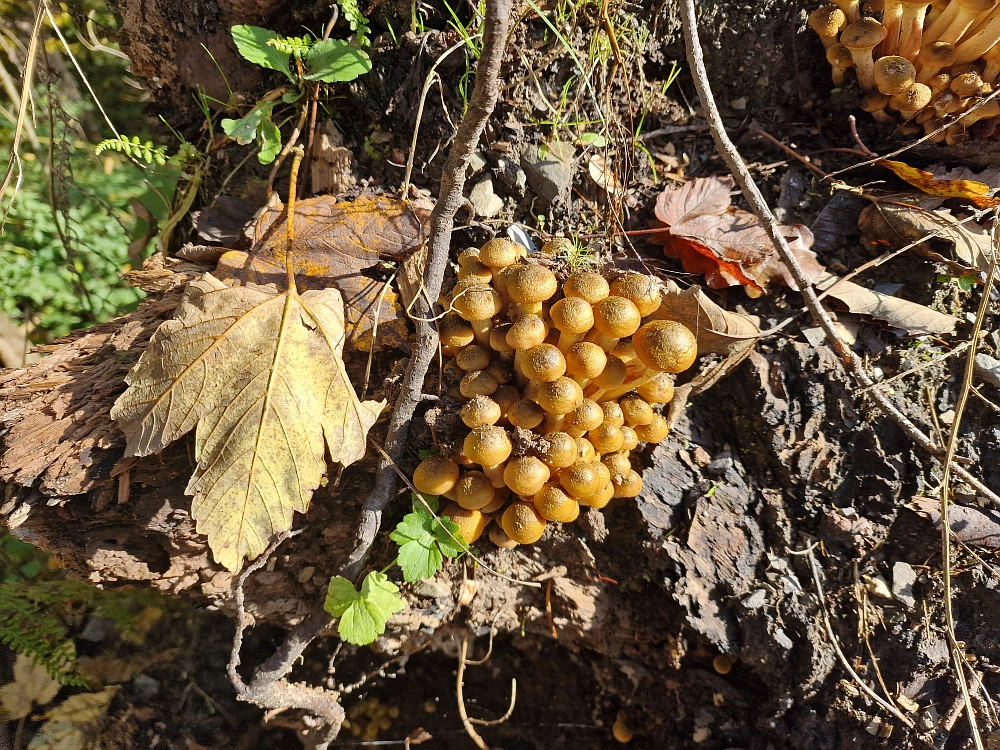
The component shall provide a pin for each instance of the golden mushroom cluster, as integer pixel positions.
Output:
(930, 64)
(559, 385)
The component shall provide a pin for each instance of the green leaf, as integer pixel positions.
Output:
(334, 60)
(432, 500)
(424, 543)
(244, 130)
(269, 138)
(593, 139)
(290, 97)
(363, 614)
(251, 41)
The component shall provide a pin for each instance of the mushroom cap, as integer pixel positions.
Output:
(498, 338)
(500, 498)
(478, 302)
(642, 290)
(863, 34)
(487, 445)
(559, 246)
(471, 523)
(553, 504)
(530, 283)
(585, 360)
(654, 432)
(603, 472)
(529, 331)
(581, 479)
(468, 255)
(631, 440)
(454, 330)
(480, 411)
(635, 409)
(839, 56)
(499, 537)
(585, 450)
(435, 475)
(873, 101)
(613, 413)
(616, 317)
(964, 84)
(606, 438)
(586, 416)
(617, 462)
(562, 450)
(525, 414)
(572, 315)
(916, 97)
(624, 351)
(506, 396)
(666, 346)
(473, 357)
(600, 498)
(627, 485)
(474, 490)
(936, 54)
(827, 20)
(523, 523)
(587, 285)
(499, 253)
(478, 383)
(561, 396)
(894, 74)
(525, 475)
(501, 370)
(476, 270)
(543, 363)
(613, 374)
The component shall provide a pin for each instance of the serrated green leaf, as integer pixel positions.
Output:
(334, 61)
(269, 138)
(417, 505)
(290, 97)
(424, 543)
(251, 41)
(363, 614)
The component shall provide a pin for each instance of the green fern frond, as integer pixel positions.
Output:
(134, 148)
(354, 16)
(296, 46)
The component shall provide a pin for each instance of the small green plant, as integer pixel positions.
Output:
(134, 148)
(315, 63)
(425, 540)
(354, 17)
(966, 283)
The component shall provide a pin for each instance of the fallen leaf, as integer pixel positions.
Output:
(336, 244)
(601, 172)
(718, 331)
(973, 191)
(261, 376)
(32, 686)
(910, 317)
(969, 525)
(65, 724)
(726, 244)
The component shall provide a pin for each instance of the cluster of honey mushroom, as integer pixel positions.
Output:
(572, 375)
(930, 63)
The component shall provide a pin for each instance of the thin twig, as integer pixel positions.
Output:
(450, 197)
(756, 200)
(923, 366)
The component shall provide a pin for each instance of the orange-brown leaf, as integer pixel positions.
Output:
(973, 191)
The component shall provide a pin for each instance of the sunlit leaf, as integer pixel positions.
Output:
(334, 61)
(251, 41)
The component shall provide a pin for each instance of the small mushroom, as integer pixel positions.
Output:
(455, 331)
(613, 413)
(659, 390)
(474, 269)
(573, 317)
(523, 523)
(627, 485)
(584, 418)
(851, 9)
(861, 37)
(642, 290)
(911, 27)
(478, 383)
(543, 363)
(481, 411)
(585, 451)
(506, 396)
(614, 318)
(617, 462)
(909, 102)
(894, 74)
(559, 246)
(965, 85)
(478, 304)
(473, 357)
(529, 285)
(612, 376)
(526, 414)
(585, 360)
(489, 447)
(499, 253)
(827, 21)
(601, 498)
(435, 475)
(654, 432)
(606, 438)
(630, 439)
(635, 409)
(561, 396)
(500, 498)
(932, 57)
(525, 475)
(581, 479)
(840, 59)
(662, 346)
(874, 103)
(473, 490)
(561, 451)
(553, 504)
(587, 285)
(471, 523)
(499, 537)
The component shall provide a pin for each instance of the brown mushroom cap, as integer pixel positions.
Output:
(635, 409)
(530, 283)
(613, 413)
(561, 396)
(474, 269)
(523, 523)
(553, 504)
(665, 346)
(654, 432)
(471, 523)
(478, 383)
(907, 102)
(480, 411)
(543, 363)
(631, 440)
(435, 475)
(933, 57)
(627, 485)
(606, 438)
(468, 255)
(475, 303)
(499, 253)
(894, 74)
(473, 357)
(525, 414)
(584, 418)
(559, 246)
(965, 84)
(501, 370)
(613, 374)
(581, 479)
(659, 390)
(498, 338)
(587, 285)
(585, 360)
(861, 37)
(474, 491)
(827, 21)
(561, 451)
(642, 290)
(529, 331)
(617, 463)
(585, 451)
(572, 315)
(499, 537)
(455, 331)
(616, 317)
(603, 472)
(506, 396)
(525, 475)
(487, 446)
(499, 499)
(600, 498)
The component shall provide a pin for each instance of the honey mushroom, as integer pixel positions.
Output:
(435, 475)
(827, 21)
(635, 409)
(498, 254)
(861, 37)
(582, 479)
(612, 376)
(473, 491)
(454, 331)
(471, 523)
(654, 432)
(585, 361)
(543, 363)
(522, 523)
(561, 451)
(489, 447)
(841, 60)
(473, 357)
(607, 437)
(627, 485)
(470, 267)
(478, 383)
(601, 498)
(525, 414)
(553, 504)
(573, 317)
(641, 290)
(629, 438)
(583, 419)
(528, 286)
(662, 346)
(558, 398)
(481, 411)
(614, 319)
(526, 475)
(588, 286)
(478, 304)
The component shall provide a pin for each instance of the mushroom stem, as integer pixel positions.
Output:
(553, 422)
(527, 308)
(624, 388)
(933, 32)
(911, 28)
(495, 475)
(607, 343)
(980, 42)
(892, 18)
(965, 15)
(566, 340)
(851, 9)
(932, 57)
(840, 60)
(861, 37)
(481, 330)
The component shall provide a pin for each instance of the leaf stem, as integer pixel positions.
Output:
(290, 232)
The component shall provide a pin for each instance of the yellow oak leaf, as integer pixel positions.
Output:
(973, 191)
(261, 376)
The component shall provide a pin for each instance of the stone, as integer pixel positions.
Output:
(511, 175)
(485, 202)
(431, 588)
(988, 369)
(477, 162)
(903, 578)
(549, 170)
